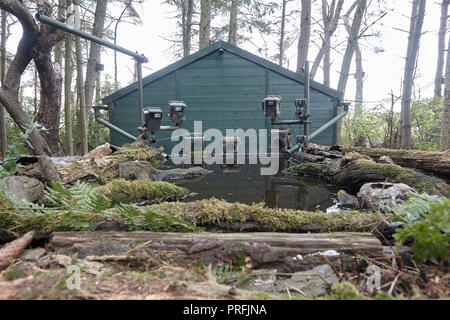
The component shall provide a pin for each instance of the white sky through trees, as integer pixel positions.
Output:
(383, 70)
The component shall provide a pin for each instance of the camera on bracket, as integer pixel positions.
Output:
(300, 109)
(176, 109)
(153, 117)
(271, 106)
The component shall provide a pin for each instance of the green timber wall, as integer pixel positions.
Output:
(224, 91)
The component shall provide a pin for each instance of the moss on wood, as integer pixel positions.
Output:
(125, 191)
(355, 170)
(130, 152)
(213, 211)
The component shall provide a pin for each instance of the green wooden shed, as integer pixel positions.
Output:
(223, 86)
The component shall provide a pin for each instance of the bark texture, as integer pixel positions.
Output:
(441, 49)
(445, 130)
(348, 55)
(9, 93)
(3, 131)
(415, 32)
(232, 32)
(305, 34)
(205, 23)
(285, 252)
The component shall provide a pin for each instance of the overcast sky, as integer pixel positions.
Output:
(384, 71)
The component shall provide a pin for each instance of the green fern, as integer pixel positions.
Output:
(12, 202)
(143, 219)
(81, 196)
(427, 221)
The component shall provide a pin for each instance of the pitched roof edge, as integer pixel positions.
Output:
(230, 48)
(162, 72)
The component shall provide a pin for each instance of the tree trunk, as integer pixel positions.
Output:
(94, 58)
(415, 32)
(205, 23)
(3, 131)
(187, 12)
(359, 70)
(305, 33)
(68, 74)
(190, 13)
(9, 93)
(282, 33)
(347, 59)
(50, 79)
(441, 49)
(264, 250)
(445, 130)
(232, 34)
(331, 18)
(81, 145)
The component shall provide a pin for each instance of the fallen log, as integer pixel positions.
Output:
(354, 170)
(436, 162)
(101, 164)
(281, 251)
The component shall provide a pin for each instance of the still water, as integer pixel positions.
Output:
(246, 185)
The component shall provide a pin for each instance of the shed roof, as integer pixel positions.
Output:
(230, 48)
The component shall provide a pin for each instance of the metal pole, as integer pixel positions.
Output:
(109, 125)
(140, 92)
(306, 96)
(59, 25)
(322, 128)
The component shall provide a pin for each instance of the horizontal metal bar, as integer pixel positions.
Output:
(284, 122)
(67, 28)
(99, 119)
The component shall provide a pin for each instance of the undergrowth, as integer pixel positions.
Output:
(427, 223)
(80, 208)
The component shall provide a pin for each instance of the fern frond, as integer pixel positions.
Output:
(81, 196)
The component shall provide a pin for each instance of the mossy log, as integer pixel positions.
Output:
(284, 252)
(101, 164)
(210, 214)
(220, 215)
(354, 170)
(436, 162)
(142, 191)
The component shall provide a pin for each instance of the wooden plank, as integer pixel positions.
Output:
(282, 251)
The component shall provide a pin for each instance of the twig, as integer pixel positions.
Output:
(393, 283)
(299, 291)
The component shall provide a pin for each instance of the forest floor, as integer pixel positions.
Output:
(306, 255)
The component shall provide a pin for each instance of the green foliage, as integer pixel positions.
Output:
(239, 260)
(139, 219)
(81, 196)
(11, 202)
(345, 291)
(426, 121)
(427, 221)
(371, 129)
(81, 208)
(13, 153)
(377, 126)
